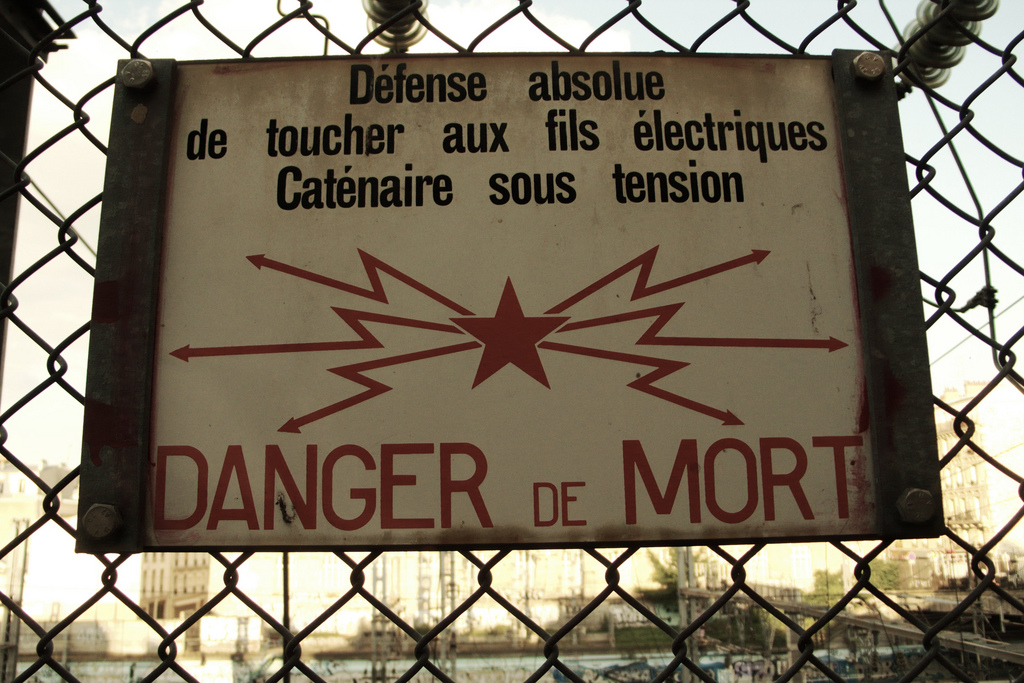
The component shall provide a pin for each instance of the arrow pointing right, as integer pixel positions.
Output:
(831, 344)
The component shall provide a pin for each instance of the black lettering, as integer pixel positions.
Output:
(643, 134)
(676, 186)
(353, 133)
(655, 85)
(476, 142)
(368, 183)
(590, 140)
(657, 187)
(710, 186)
(694, 141)
(346, 191)
(732, 184)
(218, 144)
(797, 135)
(477, 87)
(581, 85)
(367, 86)
(674, 135)
(779, 144)
(442, 190)
(538, 90)
(414, 88)
(374, 138)
(677, 180)
(313, 196)
(455, 84)
(283, 200)
(384, 87)
(561, 86)
(755, 139)
(452, 142)
(818, 141)
(390, 191)
(359, 75)
(635, 187)
(288, 141)
(498, 134)
(331, 147)
(310, 147)
(564, 181)
(500, 196)
(618, 176)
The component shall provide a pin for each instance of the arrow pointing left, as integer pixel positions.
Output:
(186, 352)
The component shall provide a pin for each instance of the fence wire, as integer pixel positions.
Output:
(938, 609)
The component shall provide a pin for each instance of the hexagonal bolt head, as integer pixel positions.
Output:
(869, 66)
(138, 74)
(102, 521)
(916, 506)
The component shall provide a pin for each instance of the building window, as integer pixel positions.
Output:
(801, 563)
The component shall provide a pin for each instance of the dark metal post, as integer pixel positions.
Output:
(13, 127)
(12, 622)
(286, 616)
(22, 27)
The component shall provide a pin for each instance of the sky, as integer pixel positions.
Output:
(56, 302)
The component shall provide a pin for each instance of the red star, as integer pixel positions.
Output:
(510, 337)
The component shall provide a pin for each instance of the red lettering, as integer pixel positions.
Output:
(537, 521)
(305, 508)
(839, 444)
(160, 520)
(566, 499)
(635, 460)
(470, 487)
(717, 448)
(234, 462)
(367, 495)
(389, 480)
(770, 479)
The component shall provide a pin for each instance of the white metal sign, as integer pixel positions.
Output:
(535, 299)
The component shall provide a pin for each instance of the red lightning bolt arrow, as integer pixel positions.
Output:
(645, 263)
(373, 267)
(354, 319)
(662, 368)
(662, 314)
(832, 344)
(186, 352)
(374, 388)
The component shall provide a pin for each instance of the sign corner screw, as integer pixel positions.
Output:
(138, 74)
(916, 506)
(101, 521)
(868, 66)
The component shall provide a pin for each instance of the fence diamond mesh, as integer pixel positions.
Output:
(940, 609)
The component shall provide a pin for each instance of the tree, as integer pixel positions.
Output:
(828, 588)
(885, 574)
(665, 575)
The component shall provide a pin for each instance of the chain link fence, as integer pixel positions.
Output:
(939, 609)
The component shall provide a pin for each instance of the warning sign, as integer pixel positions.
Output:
(506, 300)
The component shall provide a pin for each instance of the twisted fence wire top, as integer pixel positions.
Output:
(964, 161)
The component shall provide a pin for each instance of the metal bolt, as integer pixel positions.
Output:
(101, 521)
(916, 506)
(868, 65)
(138, 74)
